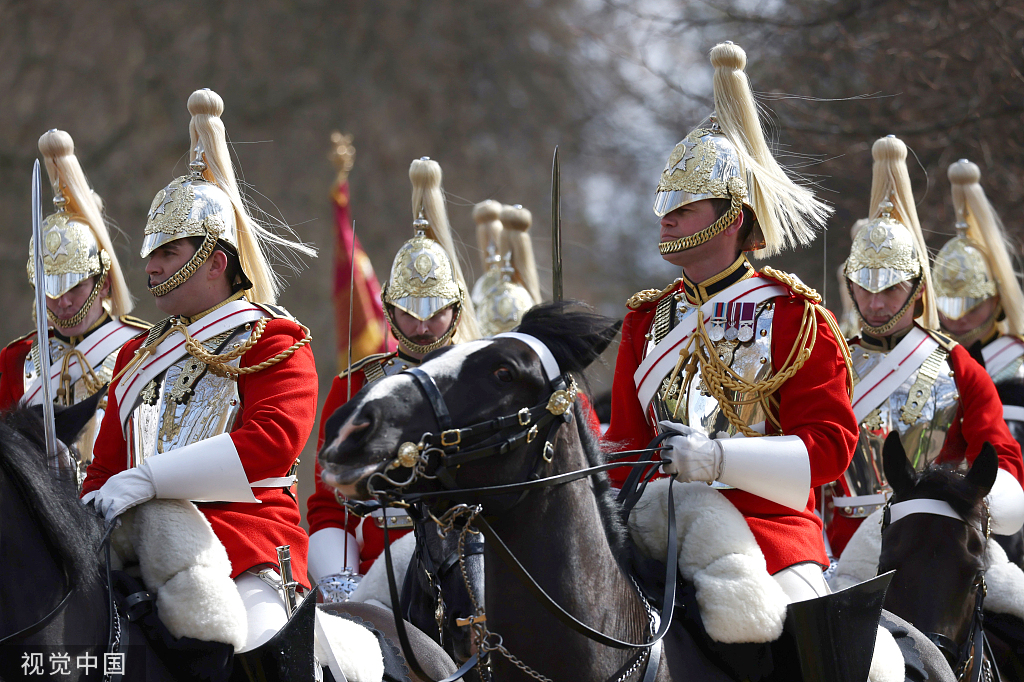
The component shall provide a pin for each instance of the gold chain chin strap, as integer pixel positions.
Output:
(77, 318)
(736, 197)
(189, 268)
(218, 363)
(887, 327)
(415, 347)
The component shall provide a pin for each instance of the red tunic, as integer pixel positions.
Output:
(278, 410)
(980, 402)
(814, 404)
(12, 371)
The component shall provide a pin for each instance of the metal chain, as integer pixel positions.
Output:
(116, 644)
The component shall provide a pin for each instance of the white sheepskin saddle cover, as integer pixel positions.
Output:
(185, 564)
(353, 654)
(373, 588)
(859, 562)
(739, 601)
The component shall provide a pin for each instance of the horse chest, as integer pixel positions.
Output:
(185, 404)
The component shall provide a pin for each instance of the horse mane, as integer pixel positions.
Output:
(1011, 392)
(571, 330)
(72, 531)
(610, 510)
(949, 485)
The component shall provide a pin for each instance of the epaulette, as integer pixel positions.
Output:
(792, 282)
(22, 338)
(646, 296)
(946, 342)
(379, 358)
(275, 312)
(136, 322)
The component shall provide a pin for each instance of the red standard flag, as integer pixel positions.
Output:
(356, 290)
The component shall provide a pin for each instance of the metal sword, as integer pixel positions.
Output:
(284, 561)
(42, 334)
(556, 230)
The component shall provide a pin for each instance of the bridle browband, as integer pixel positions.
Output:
(449, 450)
(975, 647)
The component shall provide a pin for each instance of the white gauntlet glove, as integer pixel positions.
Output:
(693, 456)
(122, 491)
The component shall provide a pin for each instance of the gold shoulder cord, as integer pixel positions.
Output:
(218, 364)
(720, 380)
(648, 295)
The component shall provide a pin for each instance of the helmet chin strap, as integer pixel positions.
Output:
(887, 327)
(736, 197)
(189, 268)
(83, 312)
(409, 344)
(981, 331)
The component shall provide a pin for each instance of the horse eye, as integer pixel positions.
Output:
(504, 374)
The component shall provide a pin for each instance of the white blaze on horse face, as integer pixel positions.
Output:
(449, 364)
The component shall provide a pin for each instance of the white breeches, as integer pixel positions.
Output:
(801, 582)
(264, 609)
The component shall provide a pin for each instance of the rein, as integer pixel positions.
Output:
(447, 451)
(974, 648)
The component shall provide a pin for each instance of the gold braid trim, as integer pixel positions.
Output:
(218, 363)
(648, 296)
(90, 380)
(729, 389)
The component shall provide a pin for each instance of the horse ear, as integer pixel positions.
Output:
(983, 471)
(69, 421)
(898, 471)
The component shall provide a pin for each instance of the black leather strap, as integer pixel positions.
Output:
(567, 619)
(425, 381)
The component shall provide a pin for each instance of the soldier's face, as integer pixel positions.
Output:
(974, 319)
(71, 302)
(878, 309)
(204, 289)
(424, 332)
(688, 220)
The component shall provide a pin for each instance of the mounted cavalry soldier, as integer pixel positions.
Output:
(215, 403)
(745, 368)
(87, 301)
(428, 306)
(977, 291)
(910, 378)
(510, 285)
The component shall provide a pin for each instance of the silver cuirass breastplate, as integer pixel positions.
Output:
(187, 403)
(745, 347)
(921, 409)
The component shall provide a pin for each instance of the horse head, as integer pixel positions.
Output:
(407, 427)
(934, 536)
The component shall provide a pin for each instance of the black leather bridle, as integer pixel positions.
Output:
(449, 449)
(976, 647)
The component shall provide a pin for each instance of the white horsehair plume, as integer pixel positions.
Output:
(789, 214)
(986, 229)
(890, 180)
(255, 241)
(67, 177)
(427, 195)
(516, 240)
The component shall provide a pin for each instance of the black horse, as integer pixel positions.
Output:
(391, 439)
(54, 599)
(939, 561)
